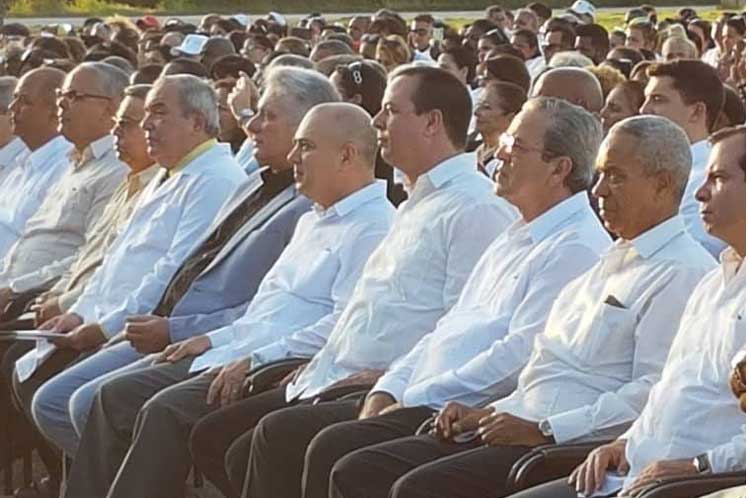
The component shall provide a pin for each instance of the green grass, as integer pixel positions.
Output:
(37, 8)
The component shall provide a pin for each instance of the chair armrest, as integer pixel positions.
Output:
(694, 486)
(547, 462)
(263, 378)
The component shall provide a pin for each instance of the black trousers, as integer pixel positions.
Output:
(423, 466)
(22, 393)
(228, 431)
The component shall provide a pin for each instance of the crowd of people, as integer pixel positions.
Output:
(442, 247)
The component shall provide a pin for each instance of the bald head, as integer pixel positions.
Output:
(343, 123)
(34, 109)
(573, 84)
(334, 152)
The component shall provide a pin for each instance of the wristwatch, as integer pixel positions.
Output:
(701, 463)
(545, 428)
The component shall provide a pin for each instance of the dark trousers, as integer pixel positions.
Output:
(553, 489)
(221, 440)
(293, 450)
(423, 466)
(22, 393)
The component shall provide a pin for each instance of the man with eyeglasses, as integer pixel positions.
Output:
(473, 352)
(557, 39)
(420, 38)
(86, 103)
(603, 346)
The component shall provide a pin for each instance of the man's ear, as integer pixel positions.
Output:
(434, 123)
(698, 113)
(348, 154)
(664, 182)
(198, 122)
(562, 169)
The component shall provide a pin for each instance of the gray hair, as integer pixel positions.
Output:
(661, 145)
(301, 88)
(573, 132)
(111, 80)
(196, 96)
(570, 58)
(7, 87)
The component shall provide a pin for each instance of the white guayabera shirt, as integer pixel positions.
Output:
(692, 409)
(479, 347)
(26, 186)
(415, 275)
(608, 335)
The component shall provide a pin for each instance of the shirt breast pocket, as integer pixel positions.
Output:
(609, 338)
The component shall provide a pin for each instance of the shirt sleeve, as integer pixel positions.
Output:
(730, 456)
(43, 277)
(395, 380)
(186, 326)
(198, 213)
(657, 324)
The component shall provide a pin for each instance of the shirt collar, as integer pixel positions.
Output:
(192, 155)
(700, 154)
(450, 168)
(47, 151)
(731, 264)
(137, 181)
(374, 190)
(651, 241)
(545, 224)
(96, 150)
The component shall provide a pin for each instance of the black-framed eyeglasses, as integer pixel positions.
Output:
(75, 96)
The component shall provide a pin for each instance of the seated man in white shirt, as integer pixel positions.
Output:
(690, 93)
(475, 351)
(603, 347)
(691, 423)
(527, 42)
(198, 175)
(86, 103)
(34, 121)
(11, 146)
(292, 313)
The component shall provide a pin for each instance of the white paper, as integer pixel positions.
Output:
(29, 335)
(27, 364)
(612, 484)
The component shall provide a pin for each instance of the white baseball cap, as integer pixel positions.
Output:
(191, 45)
(582, 7)
(278, 18)
(242, 18)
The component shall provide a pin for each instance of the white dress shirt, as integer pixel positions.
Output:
(535, 66)
(9, 156)
(306, 290)
(415, 276)
(479, 347)
(27, 185)
(72, 206)
(689, 207)
(168, 221)
(692, 410)
(608, 335)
